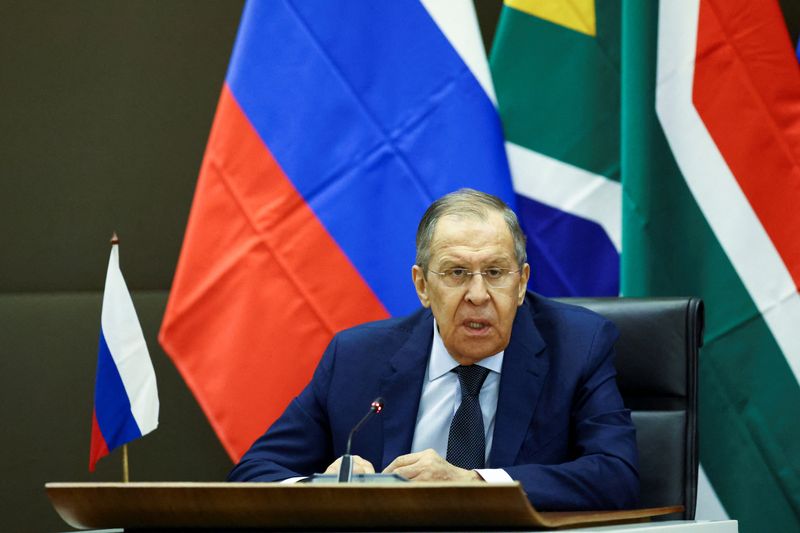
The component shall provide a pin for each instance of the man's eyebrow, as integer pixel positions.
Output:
(451, 261)
(495, 260)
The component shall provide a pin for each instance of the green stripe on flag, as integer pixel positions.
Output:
(540, 72)
(746, 436)
(749, 435)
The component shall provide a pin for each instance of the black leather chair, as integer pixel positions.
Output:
(657, 375)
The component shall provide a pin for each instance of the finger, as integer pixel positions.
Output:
(333, 468)
(425, 468)
(403, 460)
(362, 466)
(410, 472)
(395, 465)
(433, 468)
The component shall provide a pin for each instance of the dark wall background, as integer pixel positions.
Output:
(106, 108)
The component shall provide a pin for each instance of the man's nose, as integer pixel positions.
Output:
(477, 290)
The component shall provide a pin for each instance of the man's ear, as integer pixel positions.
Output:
(421, 285)
(524, 276)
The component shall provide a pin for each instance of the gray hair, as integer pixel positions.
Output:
(466, 203)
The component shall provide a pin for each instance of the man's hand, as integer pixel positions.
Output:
(429, 466)
(360, 466)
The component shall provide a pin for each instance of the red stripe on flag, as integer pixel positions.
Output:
(260, 287)
(747, 92)
(98, 447)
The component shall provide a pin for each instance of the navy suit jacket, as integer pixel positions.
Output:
(560, 429)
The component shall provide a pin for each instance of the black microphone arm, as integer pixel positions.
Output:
(346, 468)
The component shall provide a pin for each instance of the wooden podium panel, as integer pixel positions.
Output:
(378, 506)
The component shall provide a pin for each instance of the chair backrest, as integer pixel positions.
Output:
(657, 375)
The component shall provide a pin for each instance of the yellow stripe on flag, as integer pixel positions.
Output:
(576, 15)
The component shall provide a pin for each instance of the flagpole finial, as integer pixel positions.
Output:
(114, 238)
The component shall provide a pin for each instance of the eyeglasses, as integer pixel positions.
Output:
(496, 278)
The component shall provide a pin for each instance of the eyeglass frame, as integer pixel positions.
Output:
(471, 273)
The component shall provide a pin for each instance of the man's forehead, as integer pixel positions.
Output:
(453, 257)
(456, 226)
(458, 236)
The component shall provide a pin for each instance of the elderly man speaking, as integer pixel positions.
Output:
(484, 383)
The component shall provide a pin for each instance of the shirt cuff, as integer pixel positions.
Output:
(494, 475)
(294, 479)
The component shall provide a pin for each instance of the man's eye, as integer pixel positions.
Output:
(494, 273)
(457, 272)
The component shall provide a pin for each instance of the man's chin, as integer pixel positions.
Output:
(473, 350)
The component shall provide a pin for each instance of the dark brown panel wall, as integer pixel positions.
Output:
(106, 109)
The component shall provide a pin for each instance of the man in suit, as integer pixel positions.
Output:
(485, 383)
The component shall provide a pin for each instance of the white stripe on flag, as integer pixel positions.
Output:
(708, 505)
(459, 23)
(125, 341)
(714, 187)
(568, 188)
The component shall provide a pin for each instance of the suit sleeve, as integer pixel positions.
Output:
(299, 442)
(603, 470)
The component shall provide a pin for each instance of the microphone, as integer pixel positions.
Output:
(346, 468)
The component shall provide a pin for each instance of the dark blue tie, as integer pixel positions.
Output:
(466, 444)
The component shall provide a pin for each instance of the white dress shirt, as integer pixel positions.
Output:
(441, 396)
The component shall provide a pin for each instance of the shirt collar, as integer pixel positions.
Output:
(441, 362)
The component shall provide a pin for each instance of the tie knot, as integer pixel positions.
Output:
(471, 378)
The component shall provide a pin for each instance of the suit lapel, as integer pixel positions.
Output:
(524, 370)
(401, 389)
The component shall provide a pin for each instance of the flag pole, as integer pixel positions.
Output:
(125, 469)
(125, 473)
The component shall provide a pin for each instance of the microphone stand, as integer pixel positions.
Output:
(346, 468)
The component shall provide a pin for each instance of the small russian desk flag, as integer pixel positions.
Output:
(125, 396)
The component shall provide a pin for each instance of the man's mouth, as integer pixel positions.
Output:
(476, 325)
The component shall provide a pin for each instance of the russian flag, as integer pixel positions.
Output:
(125, 396)
(338, 124)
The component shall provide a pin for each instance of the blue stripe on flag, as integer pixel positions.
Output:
(111, 403)
(372, 115)
(569, 255)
